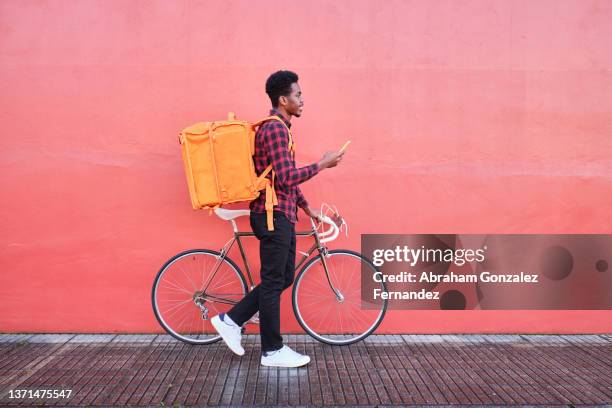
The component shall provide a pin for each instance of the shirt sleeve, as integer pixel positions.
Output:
(276, 139)
(301, 200)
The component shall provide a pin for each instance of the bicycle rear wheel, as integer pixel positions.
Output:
(337, 319)
(190, 289)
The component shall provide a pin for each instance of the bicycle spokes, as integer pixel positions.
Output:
(182, 307)
(335, 313)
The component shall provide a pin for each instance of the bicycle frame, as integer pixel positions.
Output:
(322, 251)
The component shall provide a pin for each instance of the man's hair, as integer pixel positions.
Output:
(279, 84)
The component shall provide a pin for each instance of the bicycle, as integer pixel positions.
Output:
(326, 296)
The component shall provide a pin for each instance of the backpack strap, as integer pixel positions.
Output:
(267, 118)
(271, 198)
(271, 201)
(262, 176)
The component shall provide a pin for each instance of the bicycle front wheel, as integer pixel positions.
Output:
(342, 317)
(191, 288)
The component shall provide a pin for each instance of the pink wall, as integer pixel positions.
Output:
(465, 116)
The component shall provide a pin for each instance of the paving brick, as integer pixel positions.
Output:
(389, 370)
(93, 338)
(14, 338)
(135, 338)
(50, 338)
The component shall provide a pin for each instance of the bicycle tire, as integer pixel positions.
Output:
(197, 338)
(307, 323)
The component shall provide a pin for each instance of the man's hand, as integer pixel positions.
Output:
(330, 159)
(316, 214)
(313, 213)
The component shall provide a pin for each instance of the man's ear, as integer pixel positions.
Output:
(282, 100)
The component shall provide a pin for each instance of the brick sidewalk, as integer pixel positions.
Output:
(155, 370)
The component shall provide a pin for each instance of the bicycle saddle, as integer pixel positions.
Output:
(228, 215)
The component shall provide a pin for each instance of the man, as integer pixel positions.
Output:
(277, 248)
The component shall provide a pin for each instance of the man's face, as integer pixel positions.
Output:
(294, 104)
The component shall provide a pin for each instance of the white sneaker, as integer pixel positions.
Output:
(285, 357)
(229, 331)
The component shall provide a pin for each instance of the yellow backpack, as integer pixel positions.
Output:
(218, 160)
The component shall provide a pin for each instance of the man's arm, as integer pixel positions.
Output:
(303, 204)
(301, 200)
(276, 139)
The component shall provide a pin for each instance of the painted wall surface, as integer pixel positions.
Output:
(465, 116)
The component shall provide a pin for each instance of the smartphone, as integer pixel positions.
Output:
(345, 146)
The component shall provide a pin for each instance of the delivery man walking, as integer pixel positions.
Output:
(276, 248)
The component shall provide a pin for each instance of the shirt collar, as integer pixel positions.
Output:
(276, 112)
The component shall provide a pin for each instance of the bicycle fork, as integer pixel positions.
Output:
(323, 253)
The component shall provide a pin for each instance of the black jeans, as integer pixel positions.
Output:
(277, 255)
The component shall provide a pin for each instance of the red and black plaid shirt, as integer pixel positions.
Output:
(272, 147)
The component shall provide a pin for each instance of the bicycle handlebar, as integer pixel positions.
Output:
(327, 235)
